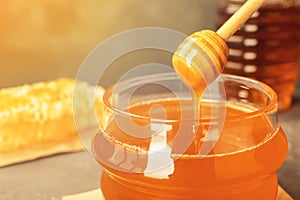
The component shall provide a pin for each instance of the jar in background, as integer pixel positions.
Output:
(267, 47)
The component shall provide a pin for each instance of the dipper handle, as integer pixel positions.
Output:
(239, 18)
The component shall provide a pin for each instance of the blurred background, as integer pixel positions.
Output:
(48, 39)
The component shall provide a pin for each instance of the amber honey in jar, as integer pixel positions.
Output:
(267, 46)
(149, 148)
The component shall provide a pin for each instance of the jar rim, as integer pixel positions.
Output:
(270, 108)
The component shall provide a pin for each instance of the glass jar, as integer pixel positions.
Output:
(151, 146)
(267, 47)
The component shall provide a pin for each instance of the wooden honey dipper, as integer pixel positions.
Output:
(201, 57)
